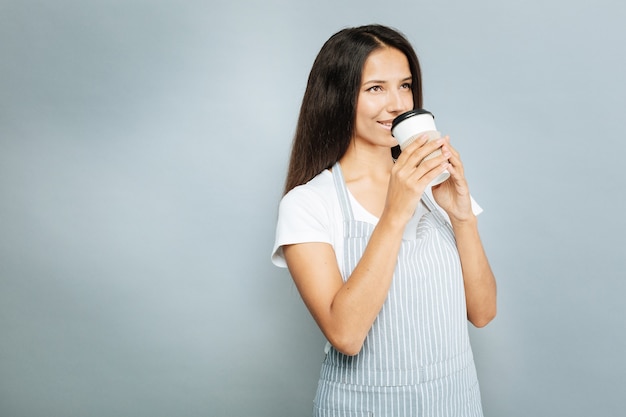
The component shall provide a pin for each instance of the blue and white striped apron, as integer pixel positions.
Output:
(416, 359)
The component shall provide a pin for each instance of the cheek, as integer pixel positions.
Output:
(359, 125)
(367, 109)
(361, 115)
(362, 125)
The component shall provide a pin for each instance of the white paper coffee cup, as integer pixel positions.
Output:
(409, 126)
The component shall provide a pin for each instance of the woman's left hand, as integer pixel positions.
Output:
(453, 194)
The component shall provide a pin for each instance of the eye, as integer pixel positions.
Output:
(375, 88)
(407, 86)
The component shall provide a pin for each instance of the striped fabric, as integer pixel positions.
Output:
(416, 359)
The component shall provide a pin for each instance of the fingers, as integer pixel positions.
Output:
(411, 173)
(415, 153)
(418, 172)
(455, 158)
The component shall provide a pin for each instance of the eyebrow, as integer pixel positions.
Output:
(383, 81)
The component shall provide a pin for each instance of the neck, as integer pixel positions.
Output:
(366, 171)
(372, 162)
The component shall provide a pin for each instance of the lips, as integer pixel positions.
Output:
(386, 124)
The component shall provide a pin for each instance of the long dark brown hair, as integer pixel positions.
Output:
(327, 115)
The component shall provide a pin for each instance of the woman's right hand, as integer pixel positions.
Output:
(411, 175)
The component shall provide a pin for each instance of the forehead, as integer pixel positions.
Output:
(386, 64)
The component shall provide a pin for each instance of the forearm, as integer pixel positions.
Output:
(359, 301)
(479, 281)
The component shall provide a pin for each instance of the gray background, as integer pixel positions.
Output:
(143, 147)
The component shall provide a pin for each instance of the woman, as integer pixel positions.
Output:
(388, 279)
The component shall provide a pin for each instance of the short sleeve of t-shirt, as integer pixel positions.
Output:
(303, 216)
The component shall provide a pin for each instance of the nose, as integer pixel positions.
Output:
(398, 102)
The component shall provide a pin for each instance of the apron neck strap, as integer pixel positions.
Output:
(342, 192)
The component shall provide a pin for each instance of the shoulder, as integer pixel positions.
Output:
(317, 194)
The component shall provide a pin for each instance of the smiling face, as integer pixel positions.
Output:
(385, 92)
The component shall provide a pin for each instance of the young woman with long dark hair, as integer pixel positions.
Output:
(390, 280)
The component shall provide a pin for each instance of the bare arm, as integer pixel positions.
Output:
(345, 311)
(480, 283)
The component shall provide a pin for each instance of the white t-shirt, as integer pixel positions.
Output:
(311, 213)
